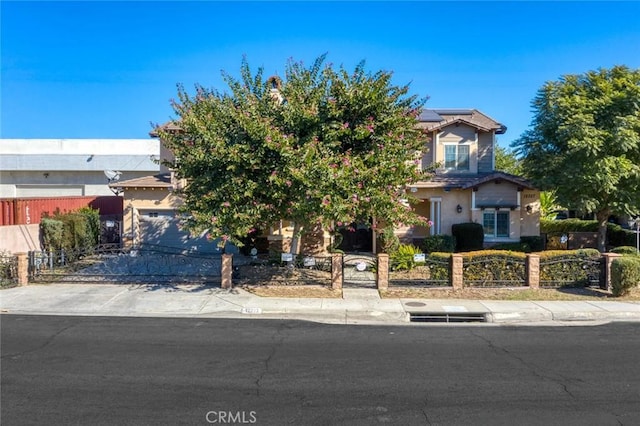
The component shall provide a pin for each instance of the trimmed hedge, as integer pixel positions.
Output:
(625, 274)
(439, 243)
(625, 250)
(76, 232)
(535, 242)
(469, 236)
(616, 235)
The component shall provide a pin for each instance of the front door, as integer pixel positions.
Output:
(356, 238)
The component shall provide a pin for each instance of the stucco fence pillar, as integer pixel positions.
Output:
(457, 279)
(226, 279)
(608, 258)
(23, 268)
(336, 271)
(383, 271)
(532, 268)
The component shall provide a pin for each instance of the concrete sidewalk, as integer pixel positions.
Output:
(357, 306)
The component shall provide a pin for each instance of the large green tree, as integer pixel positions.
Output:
(584, 143)
(507, 161)
(320, 147)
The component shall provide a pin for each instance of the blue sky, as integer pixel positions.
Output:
(109, 69)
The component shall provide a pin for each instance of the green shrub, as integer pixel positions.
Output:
(469, 236)
(388, 241)
(626, 250)
(625, 275)
(535, 242)
(616, 235)
(439, 243)
(401, 259)
(521, 247)
(52, 231)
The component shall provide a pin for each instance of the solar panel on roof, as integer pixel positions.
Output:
(429, 115)
(454, 111)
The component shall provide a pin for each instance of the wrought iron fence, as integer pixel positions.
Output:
(8, 270)
(571, 271)
(494, 271)
(282, 269)
(434, 272)
(112, 264)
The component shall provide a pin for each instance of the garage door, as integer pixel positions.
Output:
(161, 228)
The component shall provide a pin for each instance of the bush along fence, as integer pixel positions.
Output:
(484, 268)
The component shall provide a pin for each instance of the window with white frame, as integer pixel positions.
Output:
(456, 157)
(495, 223)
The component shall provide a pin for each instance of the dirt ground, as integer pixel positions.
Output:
(448, 293)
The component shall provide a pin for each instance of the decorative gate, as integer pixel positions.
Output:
(113, 265)
(359, 270)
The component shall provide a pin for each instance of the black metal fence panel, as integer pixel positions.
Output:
(494, 271)
(433, 272)
(282, 269)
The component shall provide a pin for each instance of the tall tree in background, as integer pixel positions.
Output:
(507, 161)
(319, 147)
(585, 143)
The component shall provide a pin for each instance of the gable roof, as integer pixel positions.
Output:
(436, 119)
(162, 180)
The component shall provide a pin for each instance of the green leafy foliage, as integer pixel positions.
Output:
(76, 232)
(521, 247)
(615, 234)
(625, 250)
(439, 243)
(402, 258)
(625, 275)
(535, 242)
(319, 146)
(469, 236)
(585, 143)
(570, 268)
(388, 241)
(507, 161)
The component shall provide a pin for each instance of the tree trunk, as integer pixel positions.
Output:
(603, 219)
(295, 240)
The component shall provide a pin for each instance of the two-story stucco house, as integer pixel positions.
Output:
(466, 186)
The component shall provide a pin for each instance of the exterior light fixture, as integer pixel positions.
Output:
(459, 208)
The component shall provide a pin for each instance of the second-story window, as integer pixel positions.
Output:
(456, 157)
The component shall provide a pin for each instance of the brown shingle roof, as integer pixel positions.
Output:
(162, 180)
(472, 117)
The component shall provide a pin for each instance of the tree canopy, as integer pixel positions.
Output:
(507, 161)
(584, 142)
(320, 146)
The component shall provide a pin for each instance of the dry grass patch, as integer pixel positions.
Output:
(525, 294)
(311, 291)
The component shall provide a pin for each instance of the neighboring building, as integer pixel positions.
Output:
(72, 167)
(465, 188)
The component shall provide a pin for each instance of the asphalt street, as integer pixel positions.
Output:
(59, 370)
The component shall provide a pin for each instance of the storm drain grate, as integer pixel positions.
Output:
(446, 317)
